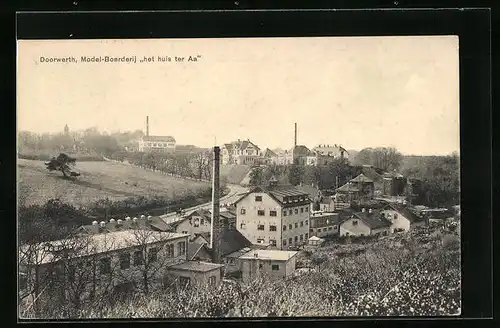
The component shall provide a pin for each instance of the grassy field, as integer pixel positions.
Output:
(98, 180)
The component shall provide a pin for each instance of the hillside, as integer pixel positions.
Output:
(98, 180)
(234, 174)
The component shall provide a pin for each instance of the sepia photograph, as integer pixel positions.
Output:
(238, 177)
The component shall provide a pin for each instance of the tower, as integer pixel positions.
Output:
(295, 141)
(215, 228)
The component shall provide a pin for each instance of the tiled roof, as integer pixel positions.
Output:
(154, 223)
(279, 192)
(192, 249)
(373, 220)
(347, 188)
(159, 138)
(371, 173)
(269, 153)
(362, 178)
(313, 192)
(196, 266)
(241, 145)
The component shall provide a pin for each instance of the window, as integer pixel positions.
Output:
(184, 281)
(261, 212)
(212, 281)
(105, 265)
(182, 248)
(319, 230)
(273, 213)
(307, 209)
(275, 267)
(137, 258)
(124, 261)
(284, 242)
(290, 212)
(260, 227)
(301, 210)
(185, 232)
(272, 228)
(272, 242)
(284, 213)
(284, 228)
(306, 235)
(296, 211)
(301, 223)
(290, 227)
(355, 222)
(243, 226)
(71, 273)
(296, 238)
(324, 229)
(296, 225)
(330, 228)
(307, 222)
(301, 237)
(311, 230)
(261, 265)
(335, 227)
(153, 255)
(290, 241)
(395, 216)
(243, 211)
(170, 250)
(258, 198)
(202, 221)
(260, 241)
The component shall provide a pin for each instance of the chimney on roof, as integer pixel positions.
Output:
(215, 227)
(147, 126)
(112, 223)
(363, 210)
(295, 140)
(370, 211)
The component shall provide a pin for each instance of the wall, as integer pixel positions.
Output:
(250, 220)
(250, 268)
(356, 230)
(191, 228)
(301, 217)
(198, 278)
(400, 222)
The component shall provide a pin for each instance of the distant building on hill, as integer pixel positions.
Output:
(241, 152)
(157, 144)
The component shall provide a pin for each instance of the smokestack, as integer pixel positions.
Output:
(147, 126)
(215, 228)
(295, 142)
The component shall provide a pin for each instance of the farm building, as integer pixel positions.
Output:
(365, 223)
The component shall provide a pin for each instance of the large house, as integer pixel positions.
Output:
(242, 152)
(365, 223)
(274, 215)
(193, 224)
(335, 151)
(359, 190)
(157, 144)
(271, 263)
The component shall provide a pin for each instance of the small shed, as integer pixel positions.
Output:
(315, 241)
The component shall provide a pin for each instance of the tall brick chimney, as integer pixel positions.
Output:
(295, 141)
(215, 228)
(147, 126)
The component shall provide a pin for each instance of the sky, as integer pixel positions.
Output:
(359, 92)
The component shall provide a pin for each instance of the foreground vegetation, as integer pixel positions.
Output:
(401, 275)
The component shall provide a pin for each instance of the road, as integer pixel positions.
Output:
(234, 194)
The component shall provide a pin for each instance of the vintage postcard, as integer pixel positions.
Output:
(242, 177)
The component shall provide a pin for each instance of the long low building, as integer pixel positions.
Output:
(271, 263)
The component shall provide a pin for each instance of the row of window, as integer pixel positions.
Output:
(275, 213)
(158, 144)
(286, 200)
(274, 267)
(290, 227)
(138, 258)
(324, 229)
(295, 239)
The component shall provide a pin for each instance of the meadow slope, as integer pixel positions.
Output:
(98, 180)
